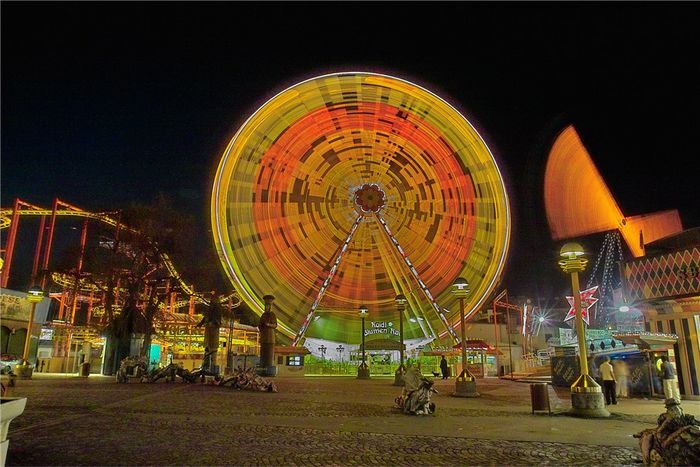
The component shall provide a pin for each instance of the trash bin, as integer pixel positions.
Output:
(539, 395)
(85, 369)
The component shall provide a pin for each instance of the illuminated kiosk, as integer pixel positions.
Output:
(290, 360)
(348, 189)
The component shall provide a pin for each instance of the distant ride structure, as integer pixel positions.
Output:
(74, 328)
(349, 189)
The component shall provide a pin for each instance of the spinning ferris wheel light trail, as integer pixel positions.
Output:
(326, 283)
(327, 190)
(370, 200)
(423, 287)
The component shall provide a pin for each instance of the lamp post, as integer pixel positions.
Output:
(229, 345)
(34, 296)
(400, 301)
(363, 369)
(322, 349)
(340, 349)
(465, 385)
(586, 396)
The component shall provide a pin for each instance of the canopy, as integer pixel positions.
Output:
(647, 340)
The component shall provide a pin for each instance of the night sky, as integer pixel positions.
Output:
(106, 103)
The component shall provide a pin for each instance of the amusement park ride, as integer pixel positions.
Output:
(79, 289)
(350, 189)
(342, 190)
(578, 203)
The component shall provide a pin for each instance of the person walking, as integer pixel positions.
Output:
(444, 368)
(593, 371)
(622, 373)
(607, 374)
(670, 380)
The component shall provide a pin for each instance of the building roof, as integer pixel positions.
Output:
(291, 350)
(680, 241)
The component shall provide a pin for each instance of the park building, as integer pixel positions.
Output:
(664, 285)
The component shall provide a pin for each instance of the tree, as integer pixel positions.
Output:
(131, 271)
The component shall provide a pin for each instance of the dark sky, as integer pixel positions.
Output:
(104, 103)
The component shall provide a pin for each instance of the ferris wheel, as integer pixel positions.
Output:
(348, 189)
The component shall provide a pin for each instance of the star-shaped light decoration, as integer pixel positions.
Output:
(587, 301)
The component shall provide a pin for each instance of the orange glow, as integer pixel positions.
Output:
(578, 202)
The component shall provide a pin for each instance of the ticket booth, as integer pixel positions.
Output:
(290, 360)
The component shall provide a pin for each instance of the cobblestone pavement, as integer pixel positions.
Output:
(310, 421)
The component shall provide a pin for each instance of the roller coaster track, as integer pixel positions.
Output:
(67, 281)
(6, 215)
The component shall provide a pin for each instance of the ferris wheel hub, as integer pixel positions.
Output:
(370, 198)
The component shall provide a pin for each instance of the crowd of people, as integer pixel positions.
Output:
(614, 378)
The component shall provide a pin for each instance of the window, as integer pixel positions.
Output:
(295, 360)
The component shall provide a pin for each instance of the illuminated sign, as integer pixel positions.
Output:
(382, 327)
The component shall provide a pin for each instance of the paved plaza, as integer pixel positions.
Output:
(311, 421)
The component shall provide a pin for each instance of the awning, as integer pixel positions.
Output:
(291, 350)
(647, 340)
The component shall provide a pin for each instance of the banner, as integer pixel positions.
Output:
(15, 306)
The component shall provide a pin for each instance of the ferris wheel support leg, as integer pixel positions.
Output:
(422, 285)
(326, 283)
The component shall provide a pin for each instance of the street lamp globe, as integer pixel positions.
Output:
(460, 287)
(400, 301)
(35, 294)
(363, 311)
(572, 258)
(571, 250)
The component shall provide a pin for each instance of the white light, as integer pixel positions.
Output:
(624, 308)
(541, 319)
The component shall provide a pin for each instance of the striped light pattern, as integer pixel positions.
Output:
(578, 202)
(283, 205)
